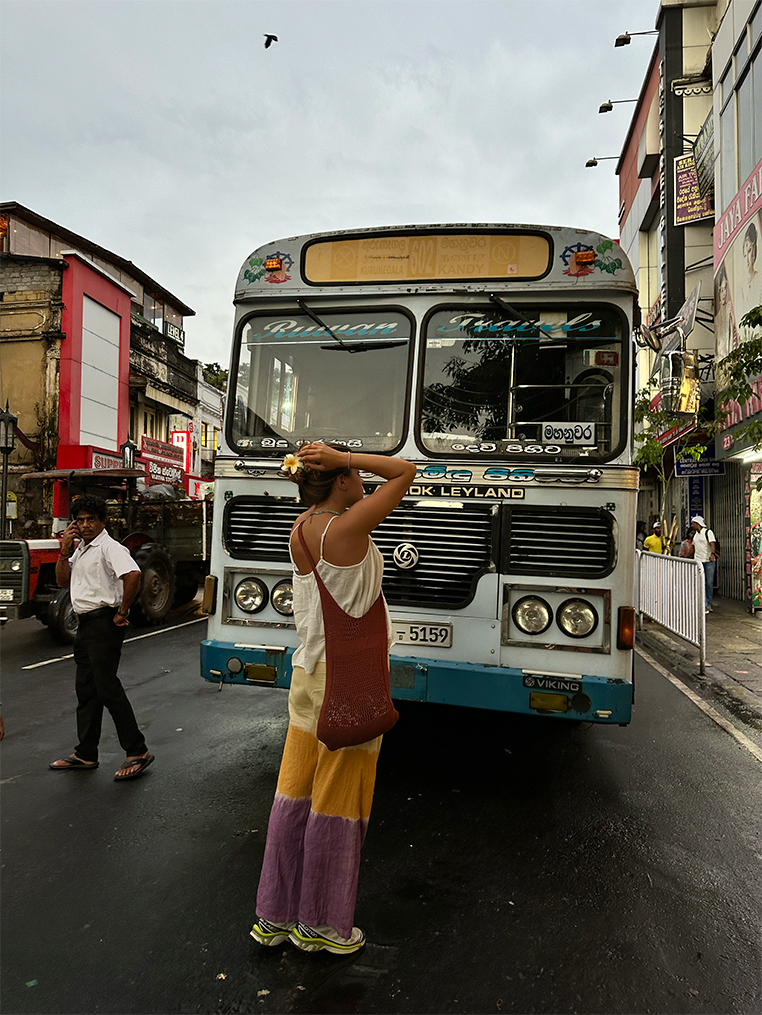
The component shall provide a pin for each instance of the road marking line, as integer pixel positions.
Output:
(151, 634)
(742, 739)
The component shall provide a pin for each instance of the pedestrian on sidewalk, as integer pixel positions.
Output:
(687, 549)
(653, 543)
(103, 580)
(319, 817)
(705, 550)
(640, 535)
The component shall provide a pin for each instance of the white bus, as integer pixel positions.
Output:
(498, 358)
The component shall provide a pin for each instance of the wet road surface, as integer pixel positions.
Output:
(512, 865)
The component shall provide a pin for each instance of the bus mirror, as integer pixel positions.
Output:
(680, 384)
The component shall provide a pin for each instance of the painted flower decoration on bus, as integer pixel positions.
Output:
(605, 259)
(256, 270)
(280, 276)
(290, 464)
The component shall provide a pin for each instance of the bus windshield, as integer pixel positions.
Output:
(523, 380)
(297, 380)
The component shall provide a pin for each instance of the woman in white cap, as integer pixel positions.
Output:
(705, 550)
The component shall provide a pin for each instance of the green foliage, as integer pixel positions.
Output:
(215, 375)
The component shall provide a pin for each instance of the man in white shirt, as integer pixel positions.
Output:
(103, 580)
(704, 547)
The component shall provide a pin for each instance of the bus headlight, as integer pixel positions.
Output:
(532, 615)
(282, 598)
(577, 618)
(250, 595)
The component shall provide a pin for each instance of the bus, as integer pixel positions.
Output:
(499, 359)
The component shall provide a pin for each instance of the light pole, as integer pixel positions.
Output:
(591, 163)
(626, 38)
(7, 443)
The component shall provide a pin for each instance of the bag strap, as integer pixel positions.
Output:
(310, 558)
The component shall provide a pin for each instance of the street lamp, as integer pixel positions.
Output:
(626, 38)
(606, 107)
(128, 450)
(601, 158)
(7, 443)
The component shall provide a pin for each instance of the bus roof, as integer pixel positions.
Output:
(424, 258)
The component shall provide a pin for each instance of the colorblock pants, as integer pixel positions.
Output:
(318, 820)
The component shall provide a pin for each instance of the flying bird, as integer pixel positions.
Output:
(269, 40)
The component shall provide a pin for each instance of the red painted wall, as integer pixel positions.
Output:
(79, 280)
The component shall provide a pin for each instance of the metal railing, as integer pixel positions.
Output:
(670, 590)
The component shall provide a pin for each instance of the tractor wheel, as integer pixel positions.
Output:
(61, 619)
(157, 585)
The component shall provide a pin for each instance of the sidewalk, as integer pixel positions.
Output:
(733, 656)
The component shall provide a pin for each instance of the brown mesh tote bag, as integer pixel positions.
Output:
(357, 706)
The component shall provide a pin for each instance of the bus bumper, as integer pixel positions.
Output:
(508, 689)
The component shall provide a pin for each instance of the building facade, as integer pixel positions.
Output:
(91, 354)
(690, 178)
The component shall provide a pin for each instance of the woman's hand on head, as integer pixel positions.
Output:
(321, 457)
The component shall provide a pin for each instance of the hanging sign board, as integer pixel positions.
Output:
(690, 206)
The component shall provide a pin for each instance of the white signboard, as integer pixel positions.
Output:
(569, 434)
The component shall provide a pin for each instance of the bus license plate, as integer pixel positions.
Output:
(406, 633)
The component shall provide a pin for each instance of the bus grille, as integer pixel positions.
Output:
(256, 529)
(454, 546)
(13, 572)
(563, 542)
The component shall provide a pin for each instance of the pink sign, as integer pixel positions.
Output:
(743, 207)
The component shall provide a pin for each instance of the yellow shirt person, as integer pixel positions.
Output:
(653, 543)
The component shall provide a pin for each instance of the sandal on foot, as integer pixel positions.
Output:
(139, 764)
(72, 764)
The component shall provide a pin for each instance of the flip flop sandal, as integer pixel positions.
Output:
(72, 765)
(143, 764)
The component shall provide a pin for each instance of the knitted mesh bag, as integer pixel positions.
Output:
(357, 706)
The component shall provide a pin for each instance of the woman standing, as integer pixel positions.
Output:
(319, 818)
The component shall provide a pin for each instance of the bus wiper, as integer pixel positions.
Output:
(363, 346)
(494, 298)
(313, 316)
(346, 346)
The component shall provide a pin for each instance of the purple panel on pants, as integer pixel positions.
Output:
(311, 867)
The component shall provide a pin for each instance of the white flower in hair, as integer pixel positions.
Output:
(290, 464)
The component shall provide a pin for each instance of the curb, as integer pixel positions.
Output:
(738, 699)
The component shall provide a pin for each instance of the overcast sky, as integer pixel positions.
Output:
(164, 131)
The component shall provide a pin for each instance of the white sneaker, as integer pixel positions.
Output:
(316, 939)
(270, 934)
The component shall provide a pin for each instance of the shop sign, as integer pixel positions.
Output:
(754, 537)
(160, 472)
(706, 465)
(690, 206)
(160, 451)
(104, 460)
(674, 433)
(744, 206)
(703, 154)
(696, 496)
(175, 333)
(182, 439)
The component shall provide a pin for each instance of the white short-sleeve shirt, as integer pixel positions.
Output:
(96, 569)
(701, 541)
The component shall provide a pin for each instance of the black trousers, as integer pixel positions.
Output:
(97, 651)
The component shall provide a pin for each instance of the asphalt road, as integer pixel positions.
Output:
(511, 865)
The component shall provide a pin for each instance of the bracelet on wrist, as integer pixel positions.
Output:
(64, 556)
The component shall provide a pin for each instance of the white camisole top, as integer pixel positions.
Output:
(355, 588)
